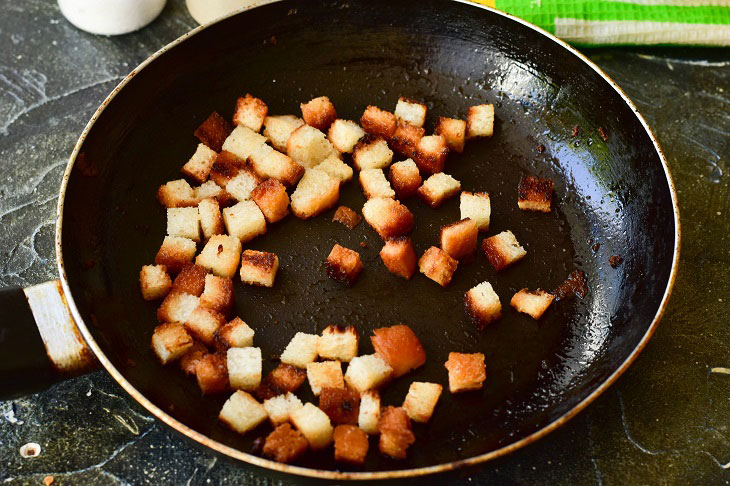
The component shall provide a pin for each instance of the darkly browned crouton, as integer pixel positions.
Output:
(437, 265)
(377, 122)
(388, 217)
(535, 194)
(399, 256)
(250, 112)
(351, 444)
(259, 267)
(226, 167)
(272, 200)
(454, 131)
(342, 405)
(460, 239)
(319, 113)
(175, 253)
(395, 432)
(213, 131)
(191, 279)
(405, 178)
(217, 294)
(212, 373)
(405, 138)
(190, 359)
(284, 378)
(347, 216)
(343, 265)
(285, 444)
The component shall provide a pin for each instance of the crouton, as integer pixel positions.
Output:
(314, 424)
(154, 282)
(482, 305)
(199, 165)
(189, 360)
(301, 350)
(405, 178)
(235, 334)
(244, 368)
(374, 184)
(367, 372)
(466, 371)
(175, 252)
(399, 347)
(502, 250)
(459, 239)
(369, 414)
(405, 139)
(532, 302)
(242, 142)
(242, 412)
(268, 163)
(344, 135)
(278, 129)
(335, 167)
(342, 405)
(250, 112)
(324, 374)
(319, 113)
(351, 444)
(437, 265)
(283, 379)
(213, 131)
(347, 216)
(176, 194)
(343, 265)
(535, 194)
(280, 407)
(399, 256)
(226, 166)
(316, 192)
(477, 207)
(430, 154)
(184, 222)
(259, 268)
(372, 153)
(395, 432)
(209, 189)
(480, 121)
(378, 123)
(212, 374)
(211, 221)
(170, 341)
(410, 111)
(242, 184)
(177, 307)
(438, 188)
(453, 131)
(338, 342)
(308, 146)
(245, 221)
(421, 400)
(202, 323)
(221, 255)
(271, 198)
(190, 280)
(285, 444)
(388, 217)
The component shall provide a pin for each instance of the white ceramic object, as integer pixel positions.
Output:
(205, 11)
(111, 17)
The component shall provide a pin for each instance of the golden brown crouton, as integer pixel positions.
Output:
(199, 165)
(170, 341)
(372, 153)
(480, 121)
(154, 281)
(532, 302)
(395, 432)
(421, 400)
(535, 194)
(235, 334)
(344, 135)
(214, 131)
(430, 154)
(242, 412)
(338, 342)
(351, 444)
(217, 294)
(285, 444)
(399, 256)
(343, 265)
(347, 216)
(211, 220)
(410, 111)
(438, 188)
(319, 113)
(190, 280)
(203, 323)
(226, 166)
(316, 192)
(176, 194)
(388, 217)
(460, 239)
(177, 307)
(342, 405)
(477, 207)
(405, 139)
(250, 112)
(278, 129)
(399, 347)
(175, 252)
(272, 200)
(221, 255)
(269, 163)
(259, 268)
(284, 378)
(324, 374)
(189, 360)
(309, 146)
(212, 374)
(502, 250)
(437, 265)
(482, 305)
(378, 123)
(454, 131)
(405, 178)
(466, 371)
(374, 184)
(314, 424)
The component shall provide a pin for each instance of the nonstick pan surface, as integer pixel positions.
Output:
(612, 188)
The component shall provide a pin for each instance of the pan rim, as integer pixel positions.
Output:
(340, 475)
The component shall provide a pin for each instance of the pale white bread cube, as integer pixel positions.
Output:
(308, 146)
(482, 304)
(410, 111)
(477, 207)
(177, 307)
(235, 334)
(367, 372)
(480, 121)
(184, 222)
(242, 142)
(421, 400)
(372, 153)
(170, 341)
(203, 323)
(532, 302)
(503, 250)
(316, 192)
(245, 221)
(175, 252)
(281, 407)
(206, 190)
(405, 178)
(374, 184)
(217, 293)
(211, 220)
(388, 217)
(338, 342)
(301, 350)
(244, 368)
(250, 112)
(242, 184)
(344, 135)
(438, 188)
(324, 374)
(279, 128)
(176, 194)
(259, 268)
(198, 167)
(314, 424)
(242, 412)
(154, 281)
(369, 412)
(268, 163)
(221, 255)
(335, 167)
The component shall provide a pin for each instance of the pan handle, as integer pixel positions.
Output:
(39, 341)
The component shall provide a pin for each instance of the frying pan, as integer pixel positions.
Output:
(613, 196)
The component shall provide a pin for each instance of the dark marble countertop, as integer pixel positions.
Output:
(667, 420)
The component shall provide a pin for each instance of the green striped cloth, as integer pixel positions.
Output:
(626, 22)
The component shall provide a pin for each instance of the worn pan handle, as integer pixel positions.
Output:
(39, 341)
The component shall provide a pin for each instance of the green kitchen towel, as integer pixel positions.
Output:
(626, 22)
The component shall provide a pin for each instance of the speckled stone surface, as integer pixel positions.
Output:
(667, 420)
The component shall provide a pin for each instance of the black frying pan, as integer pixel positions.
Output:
(612, 187)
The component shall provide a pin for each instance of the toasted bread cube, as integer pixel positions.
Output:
(367, 372)
(466, 371)
(301, 350)
(351, 444)
(535, 194)
(242, 142)
(285, 444)
(399, 347)
(170, 341)
(242, 184)
(421, 400)
(190, 280)
(459, 239)
(316, 192)
(405, 178)
(177, 307)
(342, 405)
(399, 256)
(482, 304)
(480, 121)
(405, 139)
(280, 407)
(184, 222)
(189, 360)
(272, 199)
(175, 252)
(314, 424)
(372, 153)
(477, 207)
(437, 265)
(244, 368)
(388, 217)
(259, 268)
(226, 166)
(199, 165)
(176, 194)
(308, 146)
(378, 123)
(242, 412)
(206, 190)
(410, 111)
(202, 323)
(278, 129)
(213, 131)
(395, 432)
(374, 184)
(335, 167)
(438, 188)
(324, 374)
(369, 414)
(212, 374)
(283, 379)
(211, 221)
(338, 342)
(250, 112)
(154, 282)
(347, 216)
(245, 221)
(343, 265)
(503, 250)
(268, 163)
(235, 334)
(217, 294)
(430, 154)
(221, 255)
(319, 113)
(532, 302)
(453, 131)
(344, 135)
